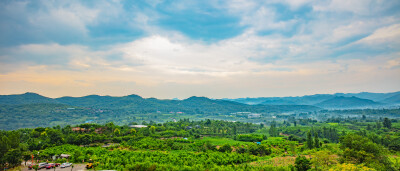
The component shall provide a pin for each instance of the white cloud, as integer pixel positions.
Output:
(166, 63)
(388, 35)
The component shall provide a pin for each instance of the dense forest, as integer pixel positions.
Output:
(299, 144)
(19, 109)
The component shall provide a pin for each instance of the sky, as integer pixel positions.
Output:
(213, 48)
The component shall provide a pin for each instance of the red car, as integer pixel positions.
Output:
(57, 164)
(50, 165)
(30, 166)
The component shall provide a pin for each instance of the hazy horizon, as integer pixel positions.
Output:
(195, 95)
(216, 49)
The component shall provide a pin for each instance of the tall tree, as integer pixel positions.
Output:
(302, 163)
(272, 130)
(316, 140)
(387, 123)
(378, 125)
(309, 140)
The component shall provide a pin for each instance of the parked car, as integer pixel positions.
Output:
(57, 164)
(64, 165)
(50, 165)
(42, 165)
(30, 167)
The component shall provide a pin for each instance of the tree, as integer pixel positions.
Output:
(133, 131)
(225, 148)
(387, 123)
(14, 157)
(4, 147)
(208, 122)
(358, 150)
(54, 136)
(378, 125)
(322, 160)
(152, 129)
(368, 127)
(309, 140)
(316, 140)
(27, 156)
(272, 130)
(302, 163)
(260, 150)
(84, 139)
(117, 132)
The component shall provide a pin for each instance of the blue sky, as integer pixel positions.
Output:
(167, 49)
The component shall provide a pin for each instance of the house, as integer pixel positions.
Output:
(65, 156)
(99, 130)
(138, 126)
(254, 115)
(79, 129)
(88, 121)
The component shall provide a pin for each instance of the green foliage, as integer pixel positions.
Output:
(387, 123)
(309, 141)
(19, 109)
(358, 150)
(192, 145)
(259, 150)
(251, 137)
(119, 158)
(10, 149)
(225, 148)
(321, 160)
(273, 132)
(302, 163)
(316, 140)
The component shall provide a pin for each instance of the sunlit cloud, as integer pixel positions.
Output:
(216, 49)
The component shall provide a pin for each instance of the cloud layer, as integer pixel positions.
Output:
(208, 48)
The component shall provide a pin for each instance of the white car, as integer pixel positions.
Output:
(64, 165)
(42, 165)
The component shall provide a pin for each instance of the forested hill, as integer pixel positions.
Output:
(135, 103)
(347, 102)
(32, 110)
(395, 99)
(27, 98)
(386, 100)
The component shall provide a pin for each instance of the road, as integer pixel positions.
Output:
(77, 167)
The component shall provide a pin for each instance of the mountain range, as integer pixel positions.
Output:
(135, 103)
(331, 101)
(31, 110)
(204, 104)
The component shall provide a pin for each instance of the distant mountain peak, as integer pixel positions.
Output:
(26, 98)
(134, 96)
(197, 98)
(347, 102)
(32, 94)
